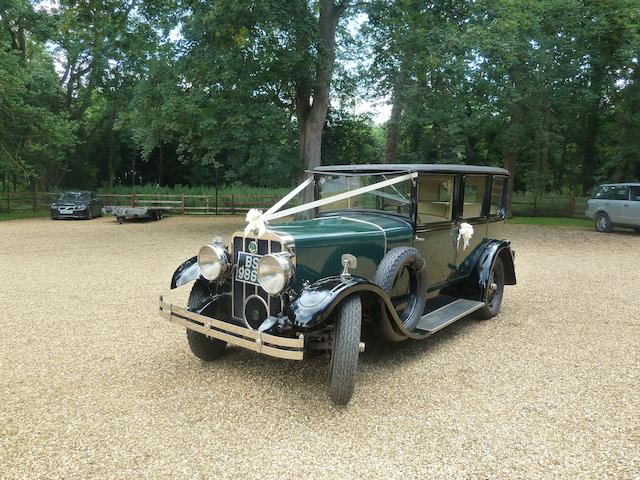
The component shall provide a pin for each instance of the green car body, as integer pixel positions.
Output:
(403, 250)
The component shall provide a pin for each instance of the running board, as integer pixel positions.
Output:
(440, 318)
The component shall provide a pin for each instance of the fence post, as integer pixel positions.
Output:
(8, 201)
(233, 205)
(535, 205)
(133, 199)
(207, 204)
(183, 204)
(34, 202)
(572, 206)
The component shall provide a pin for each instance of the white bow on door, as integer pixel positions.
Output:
(465, 232)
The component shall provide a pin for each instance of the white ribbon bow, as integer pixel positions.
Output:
(255, 222)
(465, 232)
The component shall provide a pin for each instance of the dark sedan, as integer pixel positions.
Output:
(77, 205)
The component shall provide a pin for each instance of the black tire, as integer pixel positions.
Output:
(493, 296)
(603, 223)
(120, 220)
(393, 266)
(205, 348)
(345, 350)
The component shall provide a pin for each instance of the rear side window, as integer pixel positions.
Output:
(498, 188)
(474, 189)
(620, 193)
(635, 194)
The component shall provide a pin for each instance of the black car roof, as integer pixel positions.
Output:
(411, 167)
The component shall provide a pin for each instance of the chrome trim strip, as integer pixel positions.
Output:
(384, 233)
(272, 345)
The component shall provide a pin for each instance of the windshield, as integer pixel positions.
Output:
(73, 197)
(395, 199)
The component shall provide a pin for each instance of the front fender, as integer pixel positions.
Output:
(317, 301)
(185, 273)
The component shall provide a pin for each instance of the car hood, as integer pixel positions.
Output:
(321, 242)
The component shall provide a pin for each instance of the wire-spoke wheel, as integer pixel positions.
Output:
(495, 291)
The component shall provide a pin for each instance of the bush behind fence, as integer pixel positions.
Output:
(189, 204)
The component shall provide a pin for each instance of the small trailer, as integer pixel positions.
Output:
(127, 213)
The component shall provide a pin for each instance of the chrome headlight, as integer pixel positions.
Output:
(274, 272)
(213, 261)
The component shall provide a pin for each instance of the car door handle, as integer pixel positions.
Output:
(606, 204)
(626, 205)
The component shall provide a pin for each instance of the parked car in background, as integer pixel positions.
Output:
(80, 204)
(399, 250)
(615, 205)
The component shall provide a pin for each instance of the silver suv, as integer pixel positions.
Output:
(615, 204)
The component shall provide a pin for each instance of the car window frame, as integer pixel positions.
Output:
(504, 209)
(637, 199)
(627, 187)
(484, 210)
(444, 224)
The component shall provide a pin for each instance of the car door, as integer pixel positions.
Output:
(631, 208)
(473, 212)
(615, 206)
(435, 228)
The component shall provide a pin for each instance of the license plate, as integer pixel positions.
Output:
(247, 270)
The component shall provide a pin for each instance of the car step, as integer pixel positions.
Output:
(440, 318)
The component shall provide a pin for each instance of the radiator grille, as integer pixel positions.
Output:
(242, 290)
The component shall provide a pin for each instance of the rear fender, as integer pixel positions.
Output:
(185, 273)
(494, 250)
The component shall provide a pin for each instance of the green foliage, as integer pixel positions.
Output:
(206, 93)
(351, 139)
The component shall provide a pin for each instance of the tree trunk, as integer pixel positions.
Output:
(160, 163)
(510, 151)
(589, 150)
(111, 152)
(312, 94)
(393, 125)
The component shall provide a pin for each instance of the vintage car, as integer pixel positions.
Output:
(78, 205)
(399, 250)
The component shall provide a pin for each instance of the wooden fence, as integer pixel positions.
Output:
(548, 206)
(177, 203)
(522, 205)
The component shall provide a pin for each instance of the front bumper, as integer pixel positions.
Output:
(274, 346)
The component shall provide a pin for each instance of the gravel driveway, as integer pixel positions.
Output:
(94, 385)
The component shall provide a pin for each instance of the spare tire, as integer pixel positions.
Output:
(402, 274)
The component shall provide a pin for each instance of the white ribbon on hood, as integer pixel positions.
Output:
(257, 221)
(465, 232)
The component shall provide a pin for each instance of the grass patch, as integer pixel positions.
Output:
(552, 221)
(20, 215)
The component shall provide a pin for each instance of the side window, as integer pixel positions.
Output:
(497, 195)
(474, 189)
(620, 193)
(602, 193)
(435, 198)
(635, 194)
